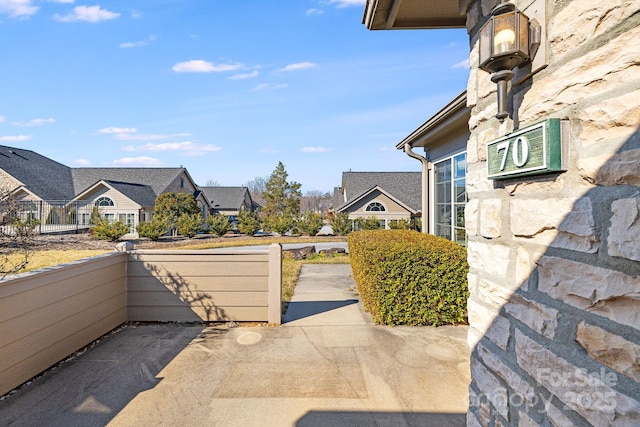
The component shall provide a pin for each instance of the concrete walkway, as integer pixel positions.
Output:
(328, 365)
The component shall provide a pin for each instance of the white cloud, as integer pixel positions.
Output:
(268, 150)
(148, 137)
(186, 148)
(313, 11)
(15, 138)
(2, 119)
(114, 130)
(140, 43)
(91, 14)
(61, 1)
(298, 66)
(315, 149)
(82, 162)
(17, 8)
(200, 66)
(269, 86)
(34, 122)
(461, 64)
(138, 161)
(347, 3)
(250, 75)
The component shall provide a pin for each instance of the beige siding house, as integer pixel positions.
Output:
(65, 197)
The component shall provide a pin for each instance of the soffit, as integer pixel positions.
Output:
(413, 14)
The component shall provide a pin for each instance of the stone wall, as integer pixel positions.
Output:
(555, 259)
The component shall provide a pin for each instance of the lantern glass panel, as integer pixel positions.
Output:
(523, 28)
(486, 42)
(504, 34)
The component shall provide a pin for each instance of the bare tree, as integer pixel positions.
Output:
(212, 183)
(257, 186)
(17, 232)
(315, 201)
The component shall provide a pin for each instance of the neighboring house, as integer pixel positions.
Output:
(230, 201)
(444, 167)
(63, 195)
(385, 195)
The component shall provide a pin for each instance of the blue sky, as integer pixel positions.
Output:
(224, 88)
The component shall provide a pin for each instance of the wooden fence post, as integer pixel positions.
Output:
(274, 313)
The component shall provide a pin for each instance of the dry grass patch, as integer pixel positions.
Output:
(256, 241)
(43, 259)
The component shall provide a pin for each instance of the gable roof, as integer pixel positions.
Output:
(405, 187)
(157, 179)
(371, 191)
(143, 195)
(226, 197)
(44, 177)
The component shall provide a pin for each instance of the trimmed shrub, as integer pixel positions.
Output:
(410, 278)
(113, 231)
(248, 222)
(153, 229)
(218, 224)
(400, 224)
(369, 223)
(340, 223)
(310, 223)
(189, 225)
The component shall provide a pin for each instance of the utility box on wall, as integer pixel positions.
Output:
(536, 149)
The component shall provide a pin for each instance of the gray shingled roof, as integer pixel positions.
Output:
(157, 179)
(406, 187)
(225, 198)
(44, 177)
(141, 194)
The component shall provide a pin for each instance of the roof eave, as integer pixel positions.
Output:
(383, 14)
(454, 114)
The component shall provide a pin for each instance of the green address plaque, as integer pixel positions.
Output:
(533, 150)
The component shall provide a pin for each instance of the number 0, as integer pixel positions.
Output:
(520, 151)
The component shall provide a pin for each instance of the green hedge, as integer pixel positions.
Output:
(410, 278)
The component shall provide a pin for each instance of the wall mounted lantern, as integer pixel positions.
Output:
(507, 40)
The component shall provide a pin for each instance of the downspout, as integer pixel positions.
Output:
(425, 185)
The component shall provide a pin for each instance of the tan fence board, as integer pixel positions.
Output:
(186, 314)
(184, 269)
(201, 256)
(30, 322)
(199, 299)
(46, 292)
(206, 283)
(31, 366)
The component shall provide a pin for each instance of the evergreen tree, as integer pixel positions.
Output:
(282, 201)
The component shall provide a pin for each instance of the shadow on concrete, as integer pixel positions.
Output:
(93, 389)
(367, 418)
(300, 309)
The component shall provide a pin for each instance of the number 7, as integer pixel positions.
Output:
(503, 146)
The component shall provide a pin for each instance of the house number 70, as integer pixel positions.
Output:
(520, 152)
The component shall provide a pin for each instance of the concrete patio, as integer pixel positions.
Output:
(328, 365)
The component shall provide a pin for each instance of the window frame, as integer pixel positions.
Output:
(455, 229)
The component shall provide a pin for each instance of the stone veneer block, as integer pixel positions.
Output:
(486, 321)
(471, 211)
(571, 217)
(490, 388)
(587, 76)
(556, 416)
(492, 259)
(624, 233)
(584, 20)
(588, 395)
(612, 119)
(526, 420)
(611, 350)
(491, 218)
(513, 380)
(622, 169)
(539, 317)
(605, 292)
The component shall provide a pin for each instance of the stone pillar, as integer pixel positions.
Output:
(554, 259)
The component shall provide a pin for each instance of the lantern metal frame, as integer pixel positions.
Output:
(507, 40)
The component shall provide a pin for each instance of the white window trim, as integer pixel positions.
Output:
(432, 191)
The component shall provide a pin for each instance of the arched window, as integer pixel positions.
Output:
(375, 207)
(104, 201)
